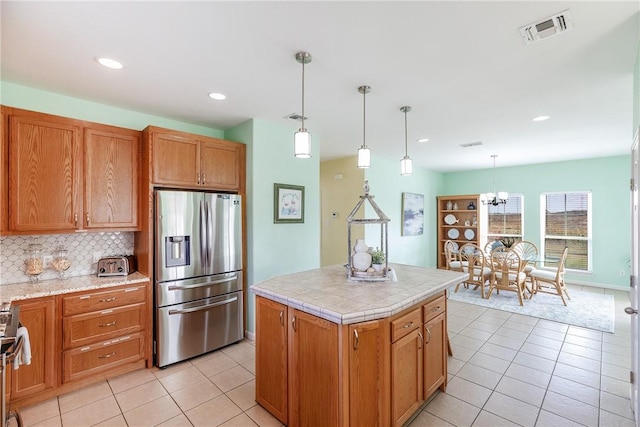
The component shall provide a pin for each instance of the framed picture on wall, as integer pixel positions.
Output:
(412, 214)
(288, 203)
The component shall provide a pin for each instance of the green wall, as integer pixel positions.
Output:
(27, 98)
(636, 93)
(276, 249)
(387, 185)
(608, 180)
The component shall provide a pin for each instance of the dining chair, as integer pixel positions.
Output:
(492, 245)
(528, 252)
(551, 281)
(507, 274)
(474, 263)
(451, 256)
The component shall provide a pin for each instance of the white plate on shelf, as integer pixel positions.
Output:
(450, 219)
(453, 233)
(469, 234)
(455, 246)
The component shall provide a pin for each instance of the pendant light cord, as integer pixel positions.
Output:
(303, 61)
(405, 134)
(364, 117)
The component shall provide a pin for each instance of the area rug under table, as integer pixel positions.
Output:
(586, 309)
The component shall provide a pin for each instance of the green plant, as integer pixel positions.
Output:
(377, 256)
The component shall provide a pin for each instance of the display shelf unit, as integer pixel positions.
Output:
(459, 220)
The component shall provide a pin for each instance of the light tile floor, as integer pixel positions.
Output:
(507, 370)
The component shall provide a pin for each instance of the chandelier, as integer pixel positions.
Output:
(494, 198)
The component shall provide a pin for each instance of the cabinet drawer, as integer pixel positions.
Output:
(101, 300)
(404, 324)
(93, 359)
(434, 307)
(83, 329)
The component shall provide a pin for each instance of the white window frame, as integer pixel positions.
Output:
(491, 236)
(588, 239)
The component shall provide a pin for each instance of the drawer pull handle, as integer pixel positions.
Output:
(204, 179)
(104, 325)
(75, 219)
(282, 318)
(356, 339)
(108, 299)
(421, 343)
(293, 323)
(429, 332)
(434, 309)
(87, 215)
(408, 325)
(106, 356)
(198, 175)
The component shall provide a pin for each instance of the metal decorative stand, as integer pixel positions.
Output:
(368, 276)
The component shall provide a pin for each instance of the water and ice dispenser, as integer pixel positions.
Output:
(177, 251)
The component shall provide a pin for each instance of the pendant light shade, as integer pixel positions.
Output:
(364, 152)
(302, 138)
(406, 164)
(493, 198)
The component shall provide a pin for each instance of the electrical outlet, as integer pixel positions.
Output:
(622, 273)
(97, 256)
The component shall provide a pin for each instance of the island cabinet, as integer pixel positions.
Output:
(66, 175)
(311, 371)
(314, 372)
(184, 160)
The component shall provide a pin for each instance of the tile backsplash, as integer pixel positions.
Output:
(81, 247)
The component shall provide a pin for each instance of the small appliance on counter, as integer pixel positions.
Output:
(116, 266)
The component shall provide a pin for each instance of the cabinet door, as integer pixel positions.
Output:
(43, 173)
(221, 164)
(271, 357)
(313, 371)
(435, 354)
(406, 376)
(368, 373)
(38, 316)
(176, 159)
(112, 162)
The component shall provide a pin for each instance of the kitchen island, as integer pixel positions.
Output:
(332, 352)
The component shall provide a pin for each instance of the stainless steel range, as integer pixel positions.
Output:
(198, 277)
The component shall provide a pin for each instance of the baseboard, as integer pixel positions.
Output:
(251, 336)
(598, 285)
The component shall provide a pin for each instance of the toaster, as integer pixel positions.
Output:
(116, 266)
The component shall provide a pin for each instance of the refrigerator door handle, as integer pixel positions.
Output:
(201, 285)
(203, 307)
(203, 233)
(209, 230)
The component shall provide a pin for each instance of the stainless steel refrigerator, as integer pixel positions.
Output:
(198, 277)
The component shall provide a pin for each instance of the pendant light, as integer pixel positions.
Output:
(302, 138)
(406, 164)
(494, 198)
(364, 153)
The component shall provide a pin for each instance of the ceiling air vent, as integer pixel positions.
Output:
(548, 27)
(471, 144)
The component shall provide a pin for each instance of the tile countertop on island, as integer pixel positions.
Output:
(326, 292)
(28, 290)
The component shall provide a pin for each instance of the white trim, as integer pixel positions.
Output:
(251, 336)
(597, 285)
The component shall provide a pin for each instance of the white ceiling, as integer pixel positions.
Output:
(462, 66)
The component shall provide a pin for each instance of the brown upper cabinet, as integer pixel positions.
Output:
(185, 160)
(66, 175)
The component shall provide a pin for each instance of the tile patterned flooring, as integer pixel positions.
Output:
(507, 370)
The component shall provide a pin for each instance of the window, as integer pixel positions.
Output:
(566, 222)
(505, 220)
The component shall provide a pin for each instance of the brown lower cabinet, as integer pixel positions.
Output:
(81, 338)
(310, 371)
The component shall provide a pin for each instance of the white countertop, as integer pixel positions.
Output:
(326, 293)
(22, 291)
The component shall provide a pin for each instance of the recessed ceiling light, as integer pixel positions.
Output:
(422, 139)
(217, 96)
(540, 118)
(110, 63)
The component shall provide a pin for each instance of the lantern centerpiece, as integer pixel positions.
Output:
(362, 266)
